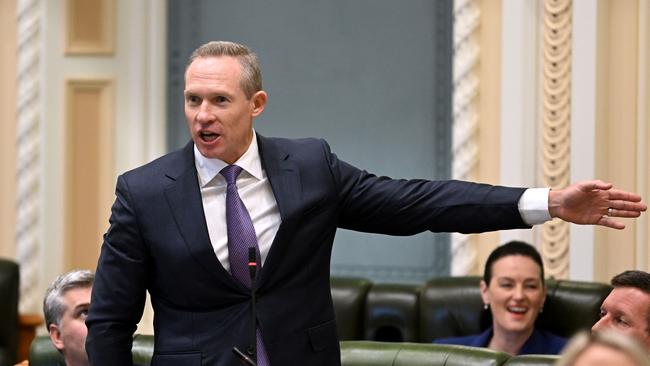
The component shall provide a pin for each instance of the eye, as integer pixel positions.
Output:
(602, 313)
(532, 286)
(221, 99)
(620, 321)
(193, 100)
(506, 285)
(82, 314)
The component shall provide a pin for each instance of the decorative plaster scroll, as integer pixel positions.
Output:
(28, 167)
(467, 18)
(556, 116)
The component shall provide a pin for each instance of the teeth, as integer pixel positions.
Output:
(517, 309)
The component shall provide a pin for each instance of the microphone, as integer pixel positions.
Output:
(252, 265)
(244, 359)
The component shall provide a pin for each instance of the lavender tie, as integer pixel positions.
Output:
(241, 236)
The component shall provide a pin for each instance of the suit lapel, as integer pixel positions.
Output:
(284, 177)
(184, 198)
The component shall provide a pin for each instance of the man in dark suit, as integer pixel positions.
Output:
(181, 226)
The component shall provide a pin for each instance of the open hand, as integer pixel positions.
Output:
(594, 203)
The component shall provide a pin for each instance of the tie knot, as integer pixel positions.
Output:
(230, 173)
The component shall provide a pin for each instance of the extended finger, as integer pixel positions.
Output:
(622, 213)
(628, 206)
(617, 194)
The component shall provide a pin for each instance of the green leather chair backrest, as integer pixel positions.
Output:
(369, 353)
(572, 306)
(391, 313)
(349, 298)
(452, 307)
(43, 353)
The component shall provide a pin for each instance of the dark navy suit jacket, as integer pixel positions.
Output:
(539, 343)
(158, 242)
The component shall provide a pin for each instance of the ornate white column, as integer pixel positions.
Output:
(28, 167)
(467, 19)
(556, 119)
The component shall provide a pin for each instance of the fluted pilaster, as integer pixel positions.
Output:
(28, 166)
(466, 48)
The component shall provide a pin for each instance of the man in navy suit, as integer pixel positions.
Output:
(169, 234)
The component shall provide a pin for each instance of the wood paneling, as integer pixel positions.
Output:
(90, 27)
(615, 251)
(89, 166)
(8, 127)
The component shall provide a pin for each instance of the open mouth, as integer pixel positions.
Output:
(208, 136)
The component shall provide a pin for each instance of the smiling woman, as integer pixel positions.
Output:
(513, 289)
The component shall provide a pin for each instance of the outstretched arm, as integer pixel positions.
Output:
(594, 203)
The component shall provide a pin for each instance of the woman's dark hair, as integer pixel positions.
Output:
(512, 248)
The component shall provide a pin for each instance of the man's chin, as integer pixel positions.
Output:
(210, 152)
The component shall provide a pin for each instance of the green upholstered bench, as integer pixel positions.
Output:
(43, 353)
(532, 360)
(369, 353)
(409, 313)
(353, 353)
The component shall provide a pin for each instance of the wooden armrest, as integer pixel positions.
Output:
(27, 324)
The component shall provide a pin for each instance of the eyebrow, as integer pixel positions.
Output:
(82, 305)
(525, 279)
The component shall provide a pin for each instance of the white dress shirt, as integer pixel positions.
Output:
(256, 193)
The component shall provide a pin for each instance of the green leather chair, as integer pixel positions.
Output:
(353, 353)
(369, 353)
(391, 313)
(43, 353)
(452, 307)
(349, 298)
(9, 283)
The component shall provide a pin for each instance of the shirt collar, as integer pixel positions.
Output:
(208, 168)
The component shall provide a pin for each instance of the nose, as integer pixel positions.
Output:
(600, 324)
(205, 113)
(518, 293)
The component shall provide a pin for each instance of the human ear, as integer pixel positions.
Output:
(55, 336)
(259, 102)
(485, 294)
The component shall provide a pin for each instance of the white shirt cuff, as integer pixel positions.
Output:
(533, 206)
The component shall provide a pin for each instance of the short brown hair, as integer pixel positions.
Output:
(251, 74)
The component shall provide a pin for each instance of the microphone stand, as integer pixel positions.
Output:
(252, 271)
(251, 358)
